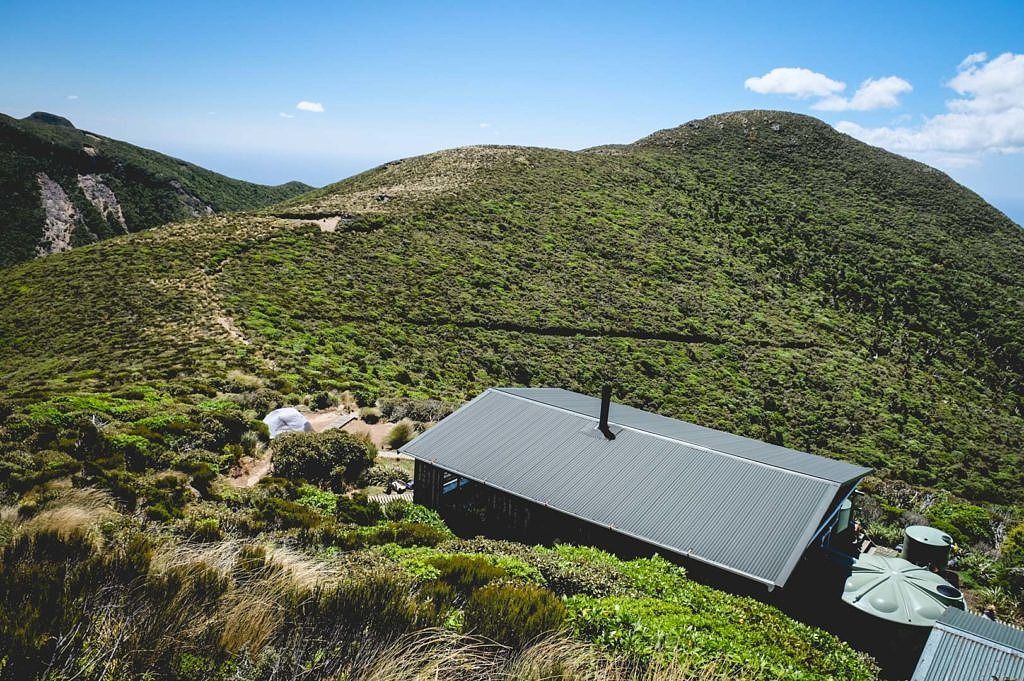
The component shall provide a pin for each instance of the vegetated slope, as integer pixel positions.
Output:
(62, 187)
(756, 272)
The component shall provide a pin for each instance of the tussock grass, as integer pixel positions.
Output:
(74, 512)
(442, 654)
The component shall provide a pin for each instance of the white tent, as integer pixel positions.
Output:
(287, 420)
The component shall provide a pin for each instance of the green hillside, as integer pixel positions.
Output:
(45, 159)
(756, 272)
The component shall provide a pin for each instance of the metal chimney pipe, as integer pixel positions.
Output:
(606, 401)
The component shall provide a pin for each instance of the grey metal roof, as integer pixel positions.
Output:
(966, 647)
(727, 443)
(734, 511)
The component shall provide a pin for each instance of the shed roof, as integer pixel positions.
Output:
(736, 503)
(966, 647)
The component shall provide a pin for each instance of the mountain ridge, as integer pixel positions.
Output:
(66, 187)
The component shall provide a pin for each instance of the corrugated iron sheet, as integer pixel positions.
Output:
(736, 445)
(738, 513)
(965, 647)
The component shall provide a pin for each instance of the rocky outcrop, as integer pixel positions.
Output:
(192, 202)
(61, 217)
(103, 199)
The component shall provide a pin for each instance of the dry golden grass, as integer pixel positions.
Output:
(74, 512)
(440, 654)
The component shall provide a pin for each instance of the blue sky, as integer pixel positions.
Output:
(219, 83)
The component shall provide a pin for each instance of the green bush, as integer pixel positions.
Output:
(333, 456)
(384, 605)
(466, 574)
(1012, 548)
(406, 533)
(758, 641)
(358, 509)
(415, 513)
(288, 514)
(570, 570)
(383, 474)
(322, 400)
(322, 500)
(400, 408)
(513, 614)
(966, 523)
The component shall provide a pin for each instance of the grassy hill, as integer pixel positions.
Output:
(65, 187)
(756, 272)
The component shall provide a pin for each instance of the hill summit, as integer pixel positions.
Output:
(755, 272)
(49, 119)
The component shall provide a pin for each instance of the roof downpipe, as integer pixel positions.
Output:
(606, 402)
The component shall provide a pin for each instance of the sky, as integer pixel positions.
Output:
(318, 91)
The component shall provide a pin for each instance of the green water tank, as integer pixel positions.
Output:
(924, 546)
(896, 590)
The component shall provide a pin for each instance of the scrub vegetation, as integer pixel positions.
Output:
(87, 591)
(755, 272)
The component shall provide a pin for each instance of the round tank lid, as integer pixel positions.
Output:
(846, 505)
(924, 534)
(895, 589)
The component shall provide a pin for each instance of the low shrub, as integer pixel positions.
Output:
(357, 509)
(321, 500)
(406, 533)
(383, 606)
(466, 574)
(333, 456)
(966, 523)
(414, 513)
(396, 409)
(322, 400)
(21, 471)
(383, 475)
(1012, 548)
(203, 529)
(513, 614)
(287, 514)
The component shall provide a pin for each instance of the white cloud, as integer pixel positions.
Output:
(285, 115)
(972, 59)
(797, 82)
(485, 125)
(72, 96)
(873, 93)
(315, 107)
(988, 117)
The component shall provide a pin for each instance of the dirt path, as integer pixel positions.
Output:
(251, 469)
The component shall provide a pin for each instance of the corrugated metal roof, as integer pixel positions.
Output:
(728, 443)
(736, 512)
(966, 647)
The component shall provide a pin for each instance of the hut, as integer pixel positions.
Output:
(547, 464)
(966, 647)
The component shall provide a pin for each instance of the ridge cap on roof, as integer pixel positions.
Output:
(519, 393)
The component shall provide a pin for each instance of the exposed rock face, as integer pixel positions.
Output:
(102, 197)
(191, 201)
(61, 217)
